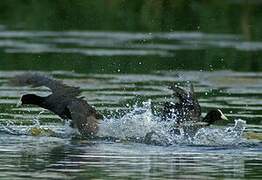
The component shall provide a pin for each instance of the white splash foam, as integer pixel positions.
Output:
(136, 123)
(142, 124)
(220, 136)
(36, 129)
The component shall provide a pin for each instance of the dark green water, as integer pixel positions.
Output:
(120, 53)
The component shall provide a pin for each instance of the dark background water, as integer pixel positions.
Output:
(120, 52)
(238, 17)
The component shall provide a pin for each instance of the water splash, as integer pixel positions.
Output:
(142, 125)
(36, 129)
(220, 136)
(139, 125)
(136, 123)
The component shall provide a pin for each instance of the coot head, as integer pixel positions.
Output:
(214, 115)
(31, 99)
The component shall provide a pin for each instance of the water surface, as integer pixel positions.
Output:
(25, 156)
(123, 55)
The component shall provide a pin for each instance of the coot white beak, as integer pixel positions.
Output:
(19, 103)
(222, 115)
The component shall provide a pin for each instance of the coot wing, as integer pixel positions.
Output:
(84, 117)
(38, 79)
(187, 102)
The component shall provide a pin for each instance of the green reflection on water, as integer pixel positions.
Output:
(215, 59)
(138, 15)
(235, 17)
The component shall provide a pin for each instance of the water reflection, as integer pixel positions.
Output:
(126, 52)
(116, 52)
(118, 43)
(82, 159)
(59, 157)
(40, 42)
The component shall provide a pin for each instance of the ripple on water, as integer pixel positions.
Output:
(214, 153)
(90, 43)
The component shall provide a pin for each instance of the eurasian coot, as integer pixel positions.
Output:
(188, 109)
(63, 101)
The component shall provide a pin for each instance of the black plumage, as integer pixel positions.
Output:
(188, 108)
(63, 101)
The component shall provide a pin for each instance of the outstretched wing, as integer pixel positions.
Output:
(85, 118)
(38, 79)
(187, 101)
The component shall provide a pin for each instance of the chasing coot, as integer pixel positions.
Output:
(63, 101)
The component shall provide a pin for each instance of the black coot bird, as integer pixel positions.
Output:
(187, 109)
(63, 101)
(185, 115)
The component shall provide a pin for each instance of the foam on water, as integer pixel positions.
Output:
(141, 125)
(36, 129)
(136, 123)
(220, 136)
